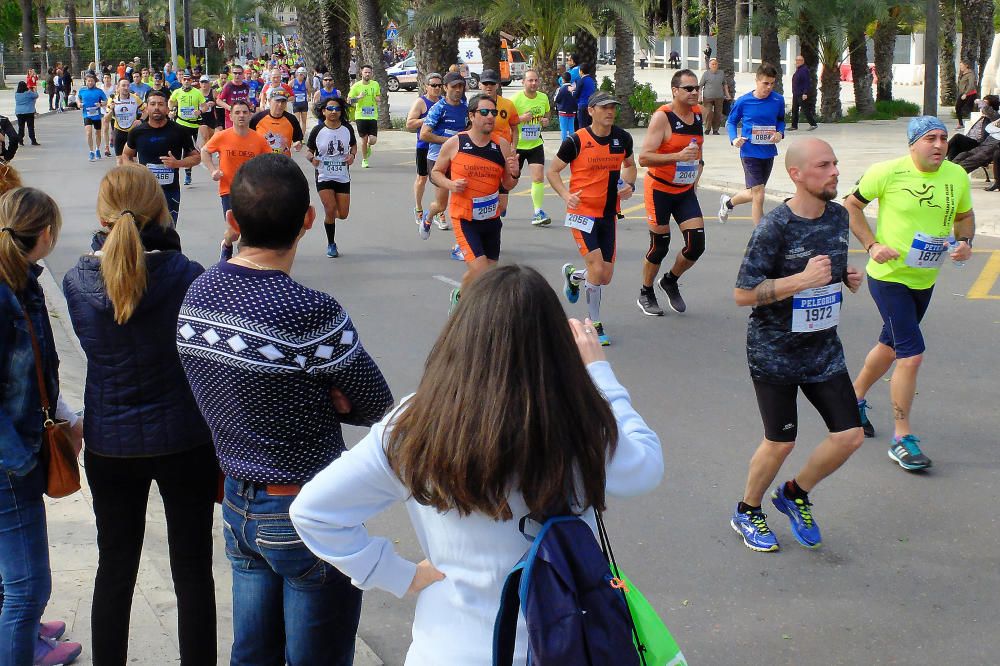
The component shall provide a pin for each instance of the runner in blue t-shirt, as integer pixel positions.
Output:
(447, 117)
(92, 100)
(762, 114)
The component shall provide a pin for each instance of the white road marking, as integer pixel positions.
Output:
(447, 280)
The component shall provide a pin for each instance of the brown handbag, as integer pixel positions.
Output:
(57, 455)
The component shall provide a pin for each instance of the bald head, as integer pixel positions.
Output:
(812, 166)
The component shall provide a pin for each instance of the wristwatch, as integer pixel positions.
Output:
(966, 239)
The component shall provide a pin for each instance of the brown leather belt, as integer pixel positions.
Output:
(282, 490)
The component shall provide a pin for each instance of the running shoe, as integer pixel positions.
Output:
(331, 251)
(723, 208)
(752, 526)
(97, 154)
(570, 288)
(226, 252)
(418, 215)
(906, 451)
(541, 219)
(107, 153)
(456, 294)
(457, 254)
(799, 512)
(602, 337)
(647, 303)
(364, 163)
(368, 152)
(187, 178)
(53, 653)
(674, 299)
(91, 153)
(52, 630)
(424, 229)
(441, 221)
(866, 425)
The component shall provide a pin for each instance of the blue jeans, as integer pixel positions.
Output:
(227, 204)
(24, 565)
(566, 128)
(288, 605)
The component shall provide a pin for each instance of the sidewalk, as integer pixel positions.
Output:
(857, 146)
(73, 549)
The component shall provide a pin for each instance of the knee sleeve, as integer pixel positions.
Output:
(694, 244)
(658, 246)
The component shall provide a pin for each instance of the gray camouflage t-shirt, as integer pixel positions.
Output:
(780, 246)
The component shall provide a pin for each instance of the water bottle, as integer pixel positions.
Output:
(952, 248)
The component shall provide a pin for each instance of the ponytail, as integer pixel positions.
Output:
(13, 263)
(123, 266)
(24, 214)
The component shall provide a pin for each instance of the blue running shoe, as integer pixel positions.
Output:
(866, 425)
(752, 526)
(602, 337)
(424, 229)
(906, 451)
(570, 288)
(331, 251)
(457, 254)
(540, 219)
(799, 512)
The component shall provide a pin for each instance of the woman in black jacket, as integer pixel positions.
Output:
(142, 423)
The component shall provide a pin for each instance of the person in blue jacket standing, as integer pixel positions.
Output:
(586, 86)
(762, 114)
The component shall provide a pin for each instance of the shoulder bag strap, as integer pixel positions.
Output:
(602, 531)
(42, 391)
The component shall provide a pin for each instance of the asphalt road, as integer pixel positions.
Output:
(908, 570)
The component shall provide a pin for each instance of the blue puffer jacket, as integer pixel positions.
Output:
(137, 400)
(20, 404)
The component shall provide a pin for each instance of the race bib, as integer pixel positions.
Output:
(368, 110)
(485, 208)
(93, 110)
(187, 112)
(164, 174)
(926, 251)
(125, 116)
(816, 309)
(762, 134)
(686, 173)
(531, 132)
(333, 165)
(581, 222)
(300, 97)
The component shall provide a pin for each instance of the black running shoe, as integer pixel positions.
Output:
(866, 424)
(647, 303)
(674, 299)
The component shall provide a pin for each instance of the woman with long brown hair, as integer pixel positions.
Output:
(513, 416)
(142, 424)
(29, 227)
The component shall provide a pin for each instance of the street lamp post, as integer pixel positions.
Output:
(931, 60)
(97, 47)
(172, 10)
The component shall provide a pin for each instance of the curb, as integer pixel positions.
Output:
(73, 368)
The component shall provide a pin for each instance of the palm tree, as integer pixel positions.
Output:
(725, 36)
(946, 57)
(436, 41)
(42, 12)
(858, 50)
(74, 50)
(624, 71)
(585, 46)
(370, 43)
(310, 18)
(884, 38)
(27, 34)
(337, 22)
(770, 50)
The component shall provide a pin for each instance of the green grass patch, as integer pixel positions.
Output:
(884, 110)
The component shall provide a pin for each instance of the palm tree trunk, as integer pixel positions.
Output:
(337, 43)
(725, 36)
(857, 47)
(370, 41)
(489, 47)
(585, 47)
(74, 51)
(624, 72)
(809, 49)
(946, 59)
(685, 18)
(27, 34)
(310, 15)
(830, 108)
(675, 16)
(770, 49)
(43, 30)
(704, 16)
(435, 48)
(969, 10)
(884, 38)
(986, 32)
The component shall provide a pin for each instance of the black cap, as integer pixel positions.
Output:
(602, 98)
(489, 76)
(453, 77)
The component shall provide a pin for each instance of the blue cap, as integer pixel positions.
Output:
(921, 125)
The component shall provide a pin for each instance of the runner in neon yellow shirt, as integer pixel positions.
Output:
(365, 96)
(923, 200)
(533, 107)
(186, 103)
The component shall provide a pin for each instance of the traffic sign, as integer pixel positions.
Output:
(392, 31)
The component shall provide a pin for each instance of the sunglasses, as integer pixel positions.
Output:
(333, 108)
(487, 112)
(325, 80)
(433, 85)
(689, 89)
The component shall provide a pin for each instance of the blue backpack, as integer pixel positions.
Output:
(574, 607)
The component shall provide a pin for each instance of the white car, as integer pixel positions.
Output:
(403, 75)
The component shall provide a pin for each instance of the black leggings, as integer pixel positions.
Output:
(960, 144)
(26, 120)
(188, 484)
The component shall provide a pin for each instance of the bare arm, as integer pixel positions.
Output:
(816, 274)
(208, 161)
(413, 120)
(513, 170)
(965, 225)
(129, 153)
(439, 175)
(555, 179)
(863, 231)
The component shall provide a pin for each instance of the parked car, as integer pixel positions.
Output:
(403, 75)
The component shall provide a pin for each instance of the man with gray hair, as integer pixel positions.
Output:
(714, 93)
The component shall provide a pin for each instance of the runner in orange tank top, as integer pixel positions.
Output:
(672, 151)
(474, 166)
(602, 173)
(507, 119)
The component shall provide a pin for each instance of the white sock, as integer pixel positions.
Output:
(593, 301)
(578, 276)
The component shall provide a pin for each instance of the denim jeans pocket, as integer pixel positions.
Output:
(288, 556)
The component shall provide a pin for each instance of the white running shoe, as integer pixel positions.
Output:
(723, 208)
(442, 222)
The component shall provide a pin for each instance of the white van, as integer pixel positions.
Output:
(512, 63)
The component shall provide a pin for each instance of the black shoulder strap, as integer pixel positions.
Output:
(505, 629)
